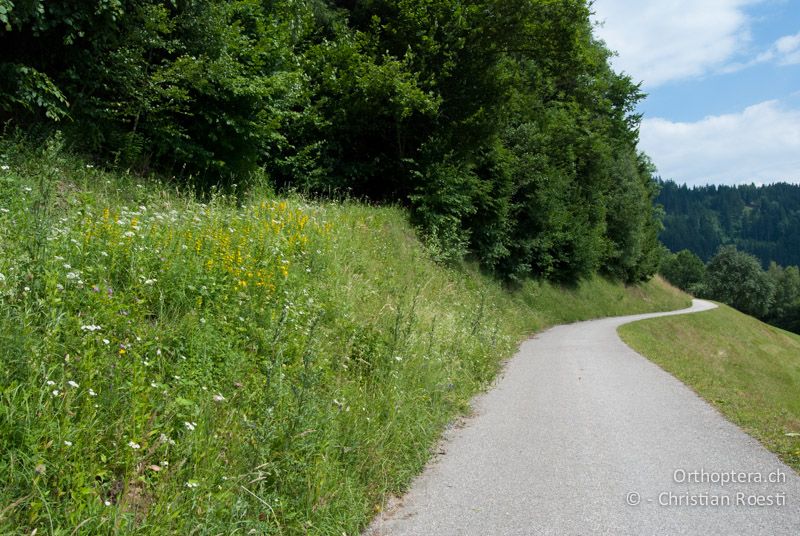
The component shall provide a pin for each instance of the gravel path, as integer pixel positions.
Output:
(579, 426)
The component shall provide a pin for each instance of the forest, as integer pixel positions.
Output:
(499, 125)
(761, 220)
(736, 244)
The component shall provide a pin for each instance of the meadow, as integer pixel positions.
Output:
(238, 362)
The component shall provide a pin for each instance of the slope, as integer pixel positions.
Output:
(239, 363)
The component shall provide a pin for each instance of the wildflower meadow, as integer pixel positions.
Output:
(237, 363)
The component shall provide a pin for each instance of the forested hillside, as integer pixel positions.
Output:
(499, 124)
(761, 220)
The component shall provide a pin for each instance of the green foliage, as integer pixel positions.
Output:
(25, 88)
(785, 311)
(685, 270)
(196, 87)
(736, 278)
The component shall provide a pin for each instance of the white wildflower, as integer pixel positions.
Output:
(4, 168)
(68, 443)
(149, 281)
(106, 341)
(73, 384)
(50, 382)
(92, 393)
(91, 327)
(129, 234)
(218, 398)
(72, 275)
(192, 484)
(134, 446)
(190, 425)
(107, 503)
(67, 266)
(56, 392)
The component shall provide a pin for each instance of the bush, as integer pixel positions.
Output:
(736, 278)
(684, 269)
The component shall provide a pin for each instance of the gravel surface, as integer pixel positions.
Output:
(579, 426)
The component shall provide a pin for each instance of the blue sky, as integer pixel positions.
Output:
(723, 84)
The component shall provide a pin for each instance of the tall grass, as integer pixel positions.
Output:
(247, 364)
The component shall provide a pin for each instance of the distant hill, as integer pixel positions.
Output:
(762, 220)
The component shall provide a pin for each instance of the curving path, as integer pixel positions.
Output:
(578, 426)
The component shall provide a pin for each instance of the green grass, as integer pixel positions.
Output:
(748, 370)
(246, 364)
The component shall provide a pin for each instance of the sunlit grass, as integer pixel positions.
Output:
(246, 364)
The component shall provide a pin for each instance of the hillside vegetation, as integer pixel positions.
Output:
(761, 220)
(749, 371)
(737, 279)
(198, 353)
(499, 123)
(231, 365)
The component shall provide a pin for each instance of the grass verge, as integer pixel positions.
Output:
(248, 364)
(747, 369)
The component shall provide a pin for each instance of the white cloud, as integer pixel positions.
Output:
(787, 49)
(759, 144)
(661, 41)
(784, 51)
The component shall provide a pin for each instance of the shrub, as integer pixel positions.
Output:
(736, 278)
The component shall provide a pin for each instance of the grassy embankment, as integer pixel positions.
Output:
(747, 369)
(269, 364)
